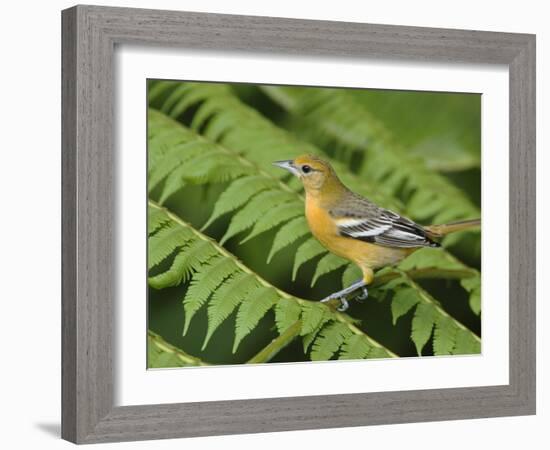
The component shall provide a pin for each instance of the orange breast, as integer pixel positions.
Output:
(366, 255)
(321, 224)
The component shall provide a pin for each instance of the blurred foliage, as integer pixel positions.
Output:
(234, 273)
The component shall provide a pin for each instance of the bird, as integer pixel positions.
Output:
(355, 228)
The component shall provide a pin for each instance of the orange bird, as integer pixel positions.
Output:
(355, 228)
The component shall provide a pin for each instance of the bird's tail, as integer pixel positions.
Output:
(444, 229)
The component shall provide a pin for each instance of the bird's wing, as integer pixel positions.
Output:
(360, 219)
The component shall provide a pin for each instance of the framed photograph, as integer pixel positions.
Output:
(277, 224)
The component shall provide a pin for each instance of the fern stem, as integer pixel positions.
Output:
(169, 348)
(430, 272)
(277, 344)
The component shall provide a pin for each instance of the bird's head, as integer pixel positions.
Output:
(315, 173)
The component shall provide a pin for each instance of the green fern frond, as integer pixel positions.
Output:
(222, 117)
(259, 202)
(446, 331)
(329, 337)
(178, 156)
(428, 316)
(267, 203)
(223, 283)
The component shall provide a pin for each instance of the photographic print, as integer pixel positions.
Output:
(295, 224)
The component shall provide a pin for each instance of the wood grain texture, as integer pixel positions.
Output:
(89, 213)
(68, 226)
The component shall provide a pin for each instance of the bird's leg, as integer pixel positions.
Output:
(341, 295)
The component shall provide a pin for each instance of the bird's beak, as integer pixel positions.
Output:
(287, 165)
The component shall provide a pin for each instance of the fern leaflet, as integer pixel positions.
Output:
(239, 193)
(254, 306)
(356, 347)
(331, 337)
(226, 299)
(287, 234)
(307, 251)
(327, 264)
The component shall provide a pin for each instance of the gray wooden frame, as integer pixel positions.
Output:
(90, 34)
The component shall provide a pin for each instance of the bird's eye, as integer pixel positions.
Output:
(306, 169)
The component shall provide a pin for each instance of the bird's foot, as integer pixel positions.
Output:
(344, 305)
(364, 294)
(341, 295)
